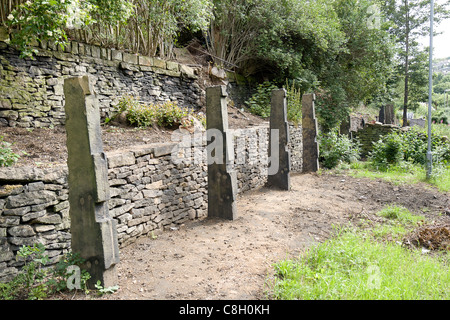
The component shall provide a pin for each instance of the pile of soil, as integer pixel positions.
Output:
(430, 237)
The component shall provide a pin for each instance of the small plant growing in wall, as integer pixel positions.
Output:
(7, 156)
(36, 281)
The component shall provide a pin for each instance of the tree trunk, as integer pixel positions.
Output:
(405, 98)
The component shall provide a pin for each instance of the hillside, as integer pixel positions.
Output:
(442, 65)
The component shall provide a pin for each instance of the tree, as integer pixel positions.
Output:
(48, 20)
(362, 68)
(410, 20)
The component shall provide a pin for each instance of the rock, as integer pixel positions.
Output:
(49, 219)
(30, 198)
(21, 231)
(119, 159)
(218, 73)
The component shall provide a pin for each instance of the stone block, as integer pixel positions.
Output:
(163, 149)
(145, 61)
(159, 63)
(116, 55)
(173, 66)
(96, 52)
(119, 159)
(280, 162)
(30, 198)
(130, 58)
(21, 231)
(187, 72)
(94, 231)
(222, 182)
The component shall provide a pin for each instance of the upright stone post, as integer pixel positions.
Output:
(279, 159)
(309, 129)
(222, 183)
(94, 232)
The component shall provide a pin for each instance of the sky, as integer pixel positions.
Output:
(441, 43)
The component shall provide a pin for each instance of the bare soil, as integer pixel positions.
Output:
(218, 259)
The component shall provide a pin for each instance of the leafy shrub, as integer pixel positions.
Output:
(294, 102)
(410, 146)
(7, 156)
(36, 281)
(387, 151)
(335, 148)
(168, 114)
(259, 103)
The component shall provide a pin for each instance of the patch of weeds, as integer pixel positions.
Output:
(36, 281)
(7, 156)
(102, 290)
(400, 214)
(353, 266)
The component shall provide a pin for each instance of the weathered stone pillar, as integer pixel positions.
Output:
(94, 232)
(279, 159)
(222, 183)
(310, 144)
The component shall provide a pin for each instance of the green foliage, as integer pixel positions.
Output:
(387, 151)
(168, 114)
(400, 214)
(60, 274)
(331, 107)
(259, 103)
(409, 21)
(7, 156)
(45, 20)
(409, 146)
(36, 281)
(294, 102)
(102, 291)
(335, 149)
(353, 265)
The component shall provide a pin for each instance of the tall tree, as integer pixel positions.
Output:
(363, 66)
(410, 21)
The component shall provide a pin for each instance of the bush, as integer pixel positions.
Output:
(335, 148)
(168, 114)
(36, 281)
(7, 156)
(410, 146)
(294, 103)
(259, 103)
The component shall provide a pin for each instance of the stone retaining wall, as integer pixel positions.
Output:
(371, 133)
(150, 192)
(31, 91)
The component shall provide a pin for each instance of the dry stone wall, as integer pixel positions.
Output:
(371, 133)
(149, 191)
(31, 91)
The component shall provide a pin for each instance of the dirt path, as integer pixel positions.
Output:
(216, 259)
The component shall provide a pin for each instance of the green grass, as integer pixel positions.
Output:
(399, 223)
(353, 266)
(356, 265)
(405, 174)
